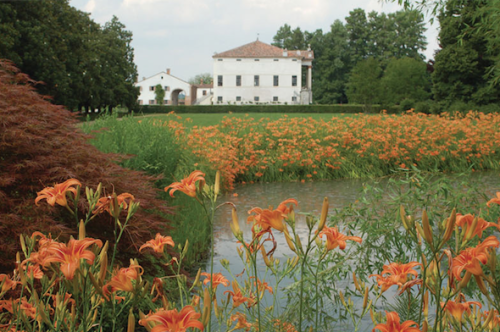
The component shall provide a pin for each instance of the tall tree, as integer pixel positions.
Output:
(461, 66)
(358, 34)
(205, 78)
(405, 78)
(364, 83)
(332, 66)
(282, 36)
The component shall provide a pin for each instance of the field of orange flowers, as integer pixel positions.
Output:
(302, 149)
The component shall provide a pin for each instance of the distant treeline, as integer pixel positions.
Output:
(377, 59)
(83, 65)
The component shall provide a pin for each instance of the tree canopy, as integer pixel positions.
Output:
(81, 63)
(379, 36)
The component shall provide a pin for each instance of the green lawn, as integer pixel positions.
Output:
(207, 119)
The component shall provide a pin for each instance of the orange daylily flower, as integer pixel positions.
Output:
(262, 286)
(469, 258)
(482, 224)
(6, 283)
(395, 274)
(57, 194)
(158, 243)
(238, 297)
(69, 255)
(122, 280)
(336, 239)
(218, 279)
(171, 320)
(392, 324)
(267, 218)
(106, 203)
(242, 322)
(284, 326)
(495, 200)
(459, 306)
(187, 185)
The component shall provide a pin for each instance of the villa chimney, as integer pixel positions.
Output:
(285, 52)
(168, 71)
(201, 80)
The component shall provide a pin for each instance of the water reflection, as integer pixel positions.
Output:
(310, 196)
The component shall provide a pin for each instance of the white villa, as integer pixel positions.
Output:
(261, 73)
(172, 85)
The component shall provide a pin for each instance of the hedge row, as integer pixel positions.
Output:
(149, 109)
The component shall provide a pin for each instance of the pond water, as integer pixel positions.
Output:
(310, 196)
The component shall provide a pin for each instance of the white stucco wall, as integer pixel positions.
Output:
(266, 69)
(164, 79)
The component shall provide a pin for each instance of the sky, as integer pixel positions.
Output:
(184, 35)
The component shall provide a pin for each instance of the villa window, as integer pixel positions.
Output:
(140, 88)
(151, 88)
(238, 80)
(294, 80)
(256, 98)
(219, 80)
(238, 98)
(276, 80)
(151, 102)
(294, 98)
(204, 92)
(219, 99)
(256, 80)
(275, 98)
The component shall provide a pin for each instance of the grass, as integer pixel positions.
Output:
(205, 119)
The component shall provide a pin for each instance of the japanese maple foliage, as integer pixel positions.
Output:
(40, 145)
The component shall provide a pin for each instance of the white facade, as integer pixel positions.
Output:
(172, 85)
(263, 74)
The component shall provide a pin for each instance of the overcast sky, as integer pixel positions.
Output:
(184, 34)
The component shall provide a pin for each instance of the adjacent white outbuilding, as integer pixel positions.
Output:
(177, 91)
(261, 73)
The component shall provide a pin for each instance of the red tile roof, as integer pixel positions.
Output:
(258, 49)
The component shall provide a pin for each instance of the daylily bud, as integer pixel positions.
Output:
(465, 280)
(297, 241)
(324, 214)
(402, 214)
(356, 282)
(427, 228)
(23, 244)
(425, 326)
(81, 230)
(235, 226)
(131, 322)
(201, 185)
(450, 226)
(289, 241)
(372, 316)
(115, 206)
(420, 233)
(481, 285)
(217, 184)
(197, 279)
(426, 304)
(264, 255)
(492, 260)
(207, 311)
(342, 299)
(185, 249)
(365, 298)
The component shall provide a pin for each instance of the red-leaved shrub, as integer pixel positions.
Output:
(40, 146)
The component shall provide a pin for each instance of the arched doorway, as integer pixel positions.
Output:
(178, 97)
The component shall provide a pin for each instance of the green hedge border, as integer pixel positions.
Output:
(152, 109)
